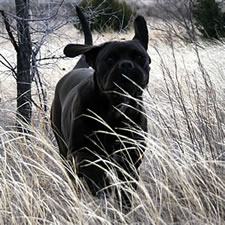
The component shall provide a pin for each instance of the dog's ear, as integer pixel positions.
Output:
(141, 31)
(73, 50)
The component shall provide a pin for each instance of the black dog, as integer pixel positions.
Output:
(97, 114)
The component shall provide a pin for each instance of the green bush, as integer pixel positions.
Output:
(209, 18)
(108, 14)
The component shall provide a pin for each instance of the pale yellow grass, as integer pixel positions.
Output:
(182, 178)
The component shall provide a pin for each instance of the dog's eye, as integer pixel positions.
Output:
(110, 60)
(140, 57)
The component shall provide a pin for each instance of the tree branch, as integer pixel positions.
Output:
(9, 31)
(8, 65)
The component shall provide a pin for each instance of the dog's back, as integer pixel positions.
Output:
(71, 80)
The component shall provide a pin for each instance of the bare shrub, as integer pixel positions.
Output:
(177, 18)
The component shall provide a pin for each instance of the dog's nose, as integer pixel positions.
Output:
(125, 67)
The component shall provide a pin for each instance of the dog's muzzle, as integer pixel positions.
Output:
(126, 67)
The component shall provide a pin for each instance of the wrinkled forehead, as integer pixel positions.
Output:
(118, 48)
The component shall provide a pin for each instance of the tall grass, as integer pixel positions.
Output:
(182, 177)
(186, 114)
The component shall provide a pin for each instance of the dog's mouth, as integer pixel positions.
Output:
(125, 81)
(121, 90)
(132, 84)
(128, 88)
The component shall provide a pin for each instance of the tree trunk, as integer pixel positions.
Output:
(24, 104)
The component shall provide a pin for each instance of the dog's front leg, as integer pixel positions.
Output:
(85, 156)
(128, 159)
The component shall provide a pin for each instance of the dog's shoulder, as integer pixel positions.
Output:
(73, 79)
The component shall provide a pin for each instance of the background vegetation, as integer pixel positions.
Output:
(108, 14)
(210, 20)
(190, 20)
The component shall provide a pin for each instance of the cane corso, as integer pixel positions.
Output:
(97, 113)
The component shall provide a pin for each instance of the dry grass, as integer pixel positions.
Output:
(182, 178)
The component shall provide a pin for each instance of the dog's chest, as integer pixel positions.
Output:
(110, 132)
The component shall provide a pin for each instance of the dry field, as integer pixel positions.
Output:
(182, 178)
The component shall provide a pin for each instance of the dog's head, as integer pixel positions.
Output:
(120, 67)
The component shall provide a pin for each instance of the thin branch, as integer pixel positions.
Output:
(9, 31)
(8, 65)
(37, 19)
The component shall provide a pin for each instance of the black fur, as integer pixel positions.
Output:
(98, 113)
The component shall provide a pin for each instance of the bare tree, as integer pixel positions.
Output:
(23, 49)
(28, 35)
